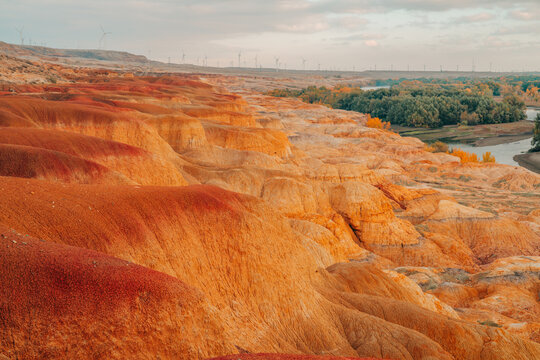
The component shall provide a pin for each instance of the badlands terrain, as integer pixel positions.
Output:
(183, 216)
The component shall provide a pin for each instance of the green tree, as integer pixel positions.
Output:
(536, 137)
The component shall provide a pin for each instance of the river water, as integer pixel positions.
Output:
(531, 113)
(504, 153)
(375, 87)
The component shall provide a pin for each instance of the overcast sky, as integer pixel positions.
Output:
(339, 34)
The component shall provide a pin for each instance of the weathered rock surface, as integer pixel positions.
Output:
(302, 231)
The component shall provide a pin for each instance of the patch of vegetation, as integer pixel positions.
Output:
(464, 156)
(499, 183)
(449, 187)
(488, 210)
(489, 323)
(535, 142)
(405, 182)
(430, 285)
(488, 158)
(416, 105)
(437, 147)
(376, 123)
(526, 194)
(455, 275)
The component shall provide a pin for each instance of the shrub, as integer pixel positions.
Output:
(487, 157)
(437, 147)
(468, 119)
(376, 123)
(464, 156)
(489, 323)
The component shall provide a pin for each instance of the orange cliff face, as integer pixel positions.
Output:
(166, 216)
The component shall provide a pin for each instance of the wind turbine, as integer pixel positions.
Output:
(256, 61)
(20, 31)
(277, 63)
(239, 58)
(102, 39)
(183, 57)
(304, 64)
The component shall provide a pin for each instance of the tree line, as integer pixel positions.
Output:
(418, 106)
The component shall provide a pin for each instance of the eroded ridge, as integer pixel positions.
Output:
(186, 216)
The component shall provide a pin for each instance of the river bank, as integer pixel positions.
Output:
(529, 161)
(508, 142)
(479, 135)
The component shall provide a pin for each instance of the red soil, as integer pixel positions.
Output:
(67, 142)
(43, 112)
(66, 280)
(30, 162)
(52, 292)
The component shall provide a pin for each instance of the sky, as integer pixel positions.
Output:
(499, 35)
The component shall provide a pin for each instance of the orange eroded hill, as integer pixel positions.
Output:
(310, 234)
(59, 301)
(182, 231)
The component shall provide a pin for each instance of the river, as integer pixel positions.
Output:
(375, 87)
(504, 153)
(531, 113)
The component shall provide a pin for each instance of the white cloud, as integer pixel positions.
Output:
(525, 15)
(371, 43)
(336, 30)
(480, 17)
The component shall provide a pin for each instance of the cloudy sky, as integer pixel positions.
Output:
(339, 34)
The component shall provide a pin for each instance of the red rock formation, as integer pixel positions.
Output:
(302, 258)
(134, 163)
(29, 162)
(58, 301)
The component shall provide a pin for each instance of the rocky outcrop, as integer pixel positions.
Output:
(303, 232)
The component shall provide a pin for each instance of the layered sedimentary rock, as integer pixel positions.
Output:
(302, 231)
